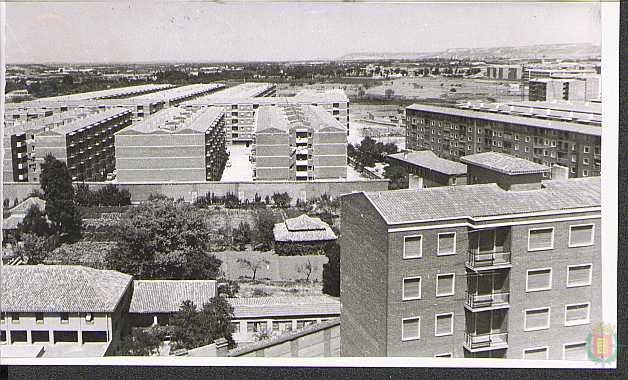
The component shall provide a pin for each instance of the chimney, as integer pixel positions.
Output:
(560, 173)
(222, 348)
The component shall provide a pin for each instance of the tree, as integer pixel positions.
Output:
(306, 269)
(281, 199)
(35, 249)
(265, 224)
(228, 288)
(34, 222)
(331, 270)
(140, 342)
(398, 177)
(389, 93)
(164, 240)
(191, 328)
(242, 235)
(252, 265)
(61, 208)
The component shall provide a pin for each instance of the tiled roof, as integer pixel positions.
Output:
(176, 119)
(284, 117)
(90, 120)
(12, 222)
(166, 296)
(262, 307)
(22, 207)
(241, 91)
(504, 163)
(454, 202)
(303, 229)
(429, 160)
(179, 92)
(271, 118)
(121, 91)
(61, 288)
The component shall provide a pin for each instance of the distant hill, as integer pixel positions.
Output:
(553, 51)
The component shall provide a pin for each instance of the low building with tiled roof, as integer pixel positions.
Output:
(426, 169)
(302, 235)
(276, 314)
(476, 270)
(17, 214)
(48, 304)
(155, 301)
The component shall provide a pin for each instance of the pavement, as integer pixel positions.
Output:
(241, 168)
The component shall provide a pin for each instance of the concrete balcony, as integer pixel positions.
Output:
(478, 261)
(474, 342)
(482, 302)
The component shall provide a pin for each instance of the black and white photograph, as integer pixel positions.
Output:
(350, 184)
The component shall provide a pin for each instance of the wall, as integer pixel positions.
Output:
(280, 268)
(246, 190)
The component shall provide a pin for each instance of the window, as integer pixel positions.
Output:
(577, 314)
(444, 324)
(585, 161)
(446, 243)
(412, 247)
(15, 317)
(1, 317)
(581, 235)
(536, 353)
(578, 275)
(39, 318)
(411, 288)
(256, 326)
(65, 317)
(235, 327)
(586, 149)
(540, 239)
(539, 279)
(527, 138)
(410, 328)
(516, 146)
(445, 355)
(585, 173)
(537, 319)
(89, 318)
(445, 284)
(575, 351)
(526, 149)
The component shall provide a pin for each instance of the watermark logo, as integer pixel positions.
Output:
(602, 343)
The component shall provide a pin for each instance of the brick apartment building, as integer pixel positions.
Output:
(508, 269)
(176, 144)
(86, 145)
(563, 133)
(241, 103)
(298, 142)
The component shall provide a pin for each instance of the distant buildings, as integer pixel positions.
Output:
(69, 311)
(302, 235)
(509, 267)
(86, 145)
(299, 142)
(563, 133)
(575, 88)
(426, 169)
(504, 72)
(176, 144)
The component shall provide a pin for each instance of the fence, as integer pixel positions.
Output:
(189, 191)
(276, 268)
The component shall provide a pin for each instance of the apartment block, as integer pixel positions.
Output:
(86, 145)
(544, 72)
(64, 310)
(502, 270)
(301, 142)
(19, 143)
(548, 133)
(241, 104)
(547, 89)
(504, 72)
(175, 144)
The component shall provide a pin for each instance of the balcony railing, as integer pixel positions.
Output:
(487, 260)
(488, 301)
(484, 342)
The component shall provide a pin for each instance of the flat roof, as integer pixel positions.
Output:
(174, 120)
(483, 200)
(166, 296)
(429, 160)
(504, 114)
(61, 288)
(504, 163)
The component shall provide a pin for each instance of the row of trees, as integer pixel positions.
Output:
(109, 195)
(231, 200)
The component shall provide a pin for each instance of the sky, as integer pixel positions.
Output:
(211, 32)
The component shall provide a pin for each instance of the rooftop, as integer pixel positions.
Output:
(271, 119)
(285, 117)
(504, 163)
(85, 122)
(22, 207)
(476, 201)
(280, 306)
(429, 160)
(41, 123)
(523, 114)
(180, 92)
(113, 92)
(303, 228)
(241, 91)
(61, 288)
(176, 120)
(166, 296)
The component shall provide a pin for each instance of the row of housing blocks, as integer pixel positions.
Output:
(174, 133)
